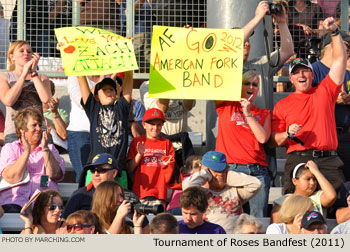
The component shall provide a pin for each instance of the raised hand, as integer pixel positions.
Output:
(44, 138)
(24, 141)
(35, 61)
(312, 166)
(140, 146)
(246, 106)
(329, 24)
(123, 209)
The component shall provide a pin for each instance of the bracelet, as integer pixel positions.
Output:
(249, 115)
(57, 115)
(34, 74)
(28, 228)
(45, 150)
(336, 32)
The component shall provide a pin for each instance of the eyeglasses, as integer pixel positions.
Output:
(254, 84)
(100, 169)
(54, 205)
(77, 227)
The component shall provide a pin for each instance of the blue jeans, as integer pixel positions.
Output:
(258, 204)
(78, 150)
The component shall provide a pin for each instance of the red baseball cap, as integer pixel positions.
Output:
(152, 114)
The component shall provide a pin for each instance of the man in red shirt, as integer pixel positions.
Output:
(304, 121)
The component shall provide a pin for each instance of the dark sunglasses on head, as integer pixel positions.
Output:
(77, 227)
(254, 84)
(100, 169)
(54, 205)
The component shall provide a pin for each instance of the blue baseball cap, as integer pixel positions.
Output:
(101, 159)
(214, 160)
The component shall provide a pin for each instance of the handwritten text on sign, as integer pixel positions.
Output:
(93, 51)
(202, 64)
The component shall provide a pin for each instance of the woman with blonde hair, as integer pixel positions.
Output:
(290, 215)
(110, 206)
(46, 215)
(22, 86)
(242, 131)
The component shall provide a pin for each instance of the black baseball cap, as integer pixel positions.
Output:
(311, 217)
(105, 81)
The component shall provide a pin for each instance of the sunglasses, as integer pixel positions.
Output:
(54, 205)
(77, 227)
(254, 84)
(99, 170)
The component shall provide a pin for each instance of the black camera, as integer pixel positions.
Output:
(275, 8)
(141, 208)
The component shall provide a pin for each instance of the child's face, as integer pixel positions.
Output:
(107, 95)
(153, 128)
(306, 183)
(192, 217)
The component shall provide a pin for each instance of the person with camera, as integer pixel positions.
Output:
(304, 121)
(111, 208)
(261, 64)
(103, 168)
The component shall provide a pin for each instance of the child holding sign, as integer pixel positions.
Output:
(108, 112)
(152, 159)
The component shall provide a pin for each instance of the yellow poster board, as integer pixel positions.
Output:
(93, 51)
(205, 64)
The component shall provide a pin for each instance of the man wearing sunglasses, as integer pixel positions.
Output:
(304, 121)
(103, 168)
(228, 190)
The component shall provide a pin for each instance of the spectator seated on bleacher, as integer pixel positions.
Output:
(227, 191)
(343, 228)
(342, 204)
(29, 163)
(313, 223)
(194, 204)
(45, 217)
(305, 178)
(290, 215)
(164, 223)
(110, 206)
(247, 224)
(83, 222)
(103, 168)
(192, 165)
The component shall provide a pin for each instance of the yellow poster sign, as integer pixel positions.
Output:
(93, 51)
(204, 64)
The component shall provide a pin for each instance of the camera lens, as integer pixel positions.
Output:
(145, 209)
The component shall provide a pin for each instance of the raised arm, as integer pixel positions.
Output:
(261, 133)
(52, 166)
(128, 85)
(337, 71)
(84, 88)
(287, 45)
(328, 195)
(197, 179)
(260, 13)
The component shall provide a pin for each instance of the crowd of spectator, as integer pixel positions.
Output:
(128, 154)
